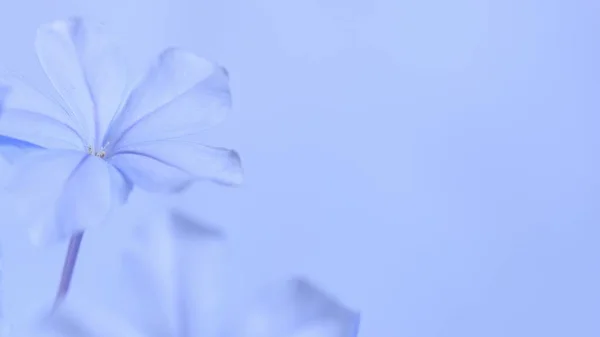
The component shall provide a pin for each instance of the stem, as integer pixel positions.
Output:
(2, 283)
(68, 267)
(4, 326)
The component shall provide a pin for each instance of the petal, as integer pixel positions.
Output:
(298, 309)
(182, 94)
(201, 270)
(12, 149)
(85, 69)
(60, 192)
(22, 95)
(30, 117)
(170, 165)
(4, 90)
(179, 261)
(38, 129)
(83, 319)
(147, 295)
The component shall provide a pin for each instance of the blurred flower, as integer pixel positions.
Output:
(76, 160)
(297, 308)
(172, 284)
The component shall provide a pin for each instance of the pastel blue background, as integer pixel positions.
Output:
(432, 163)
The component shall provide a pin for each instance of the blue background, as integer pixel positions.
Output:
(432, 163)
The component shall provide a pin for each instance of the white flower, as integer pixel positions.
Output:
(80, 158)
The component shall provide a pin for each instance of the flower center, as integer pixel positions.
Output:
(100, 154)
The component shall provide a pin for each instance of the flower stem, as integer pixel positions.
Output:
(68, 267)
(4, 326)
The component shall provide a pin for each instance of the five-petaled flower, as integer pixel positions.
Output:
(81, 153)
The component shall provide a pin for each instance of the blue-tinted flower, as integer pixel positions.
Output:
(173, 282)
(297, 308)
(78, 156)
(292, 309)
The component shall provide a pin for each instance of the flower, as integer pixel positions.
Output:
(297, 308)
(171, 283)
(78, 156)
(294, 308)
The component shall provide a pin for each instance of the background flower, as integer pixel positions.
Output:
(173, 282)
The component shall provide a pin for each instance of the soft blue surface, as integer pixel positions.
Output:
(432, 163)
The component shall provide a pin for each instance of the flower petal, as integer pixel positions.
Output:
(21, 119)
(201, 270)
(178, 261)
(85, 69)
(150, 305)
(170, 165)
(182, 94)
(298, 309)
(38, 129)
(169, 277)
(22, 95)
(12, 149)
(83, 319)
(60, 192)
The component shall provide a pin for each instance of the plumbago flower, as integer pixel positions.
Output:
(188, 291)
(294, 308)
(77, 156)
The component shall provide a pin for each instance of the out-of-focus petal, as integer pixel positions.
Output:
(182, 94)
(298, 309)
(146, 271)
(170, 277)
(86, 70)
(84, 319)
(61, 192)
(4, 90)
(170, 283)
(169, 166)
(201, 274)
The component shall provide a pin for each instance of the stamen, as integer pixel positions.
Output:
(100, 154)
